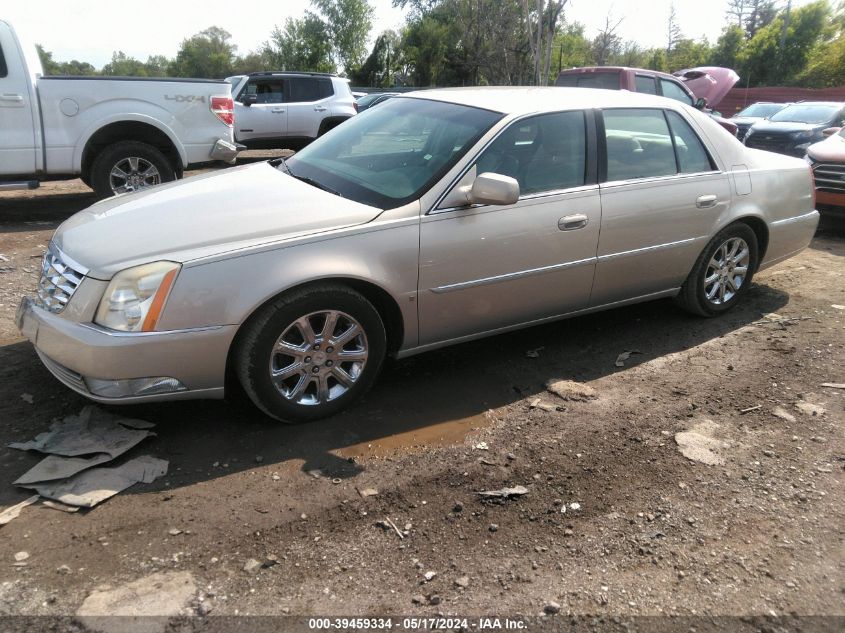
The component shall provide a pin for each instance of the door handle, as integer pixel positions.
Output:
(706, 202)
(277, 110)
(572, 222)
(320, 109)
(11, 97)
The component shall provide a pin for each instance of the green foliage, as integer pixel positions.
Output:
(728, 47)
(304, 44)
(348, 24)
(208, 54)
(384, 63)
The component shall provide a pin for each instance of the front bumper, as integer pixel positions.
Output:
(74, 352)
(225, 151)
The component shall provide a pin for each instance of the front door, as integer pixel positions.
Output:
(17, 125)
(267, 118)
(484, 267)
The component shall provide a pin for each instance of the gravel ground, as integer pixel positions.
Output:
(616, 520)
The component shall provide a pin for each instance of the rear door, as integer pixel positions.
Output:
(661, 195)
(17, 123)
(267, 118)
(308, 102)
(487, 267)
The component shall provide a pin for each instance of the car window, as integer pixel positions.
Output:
(326, 89)
(606, 80)
(266, 91)
(646, 84)
(3, 70)
(543, 153)
(674, 91)
(692, 157)
(638, 144)
(303, 90)
(397, 151)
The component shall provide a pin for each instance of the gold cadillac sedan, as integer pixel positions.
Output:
(438, 217)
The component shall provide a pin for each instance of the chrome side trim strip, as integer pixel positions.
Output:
(656, 247)
(510, 276)
(797, 218)
(670, 292)
(101, 330)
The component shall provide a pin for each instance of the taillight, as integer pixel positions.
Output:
(224, 109)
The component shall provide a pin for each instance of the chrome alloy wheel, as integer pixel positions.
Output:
(318, 357)
(132, 174)
(726, 271)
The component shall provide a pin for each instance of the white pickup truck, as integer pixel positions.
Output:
(117, 134)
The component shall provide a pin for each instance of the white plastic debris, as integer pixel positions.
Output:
(504, 493)
(13, 512)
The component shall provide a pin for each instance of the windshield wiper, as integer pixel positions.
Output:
(314, 183)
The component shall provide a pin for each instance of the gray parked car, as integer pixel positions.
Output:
(432, 219)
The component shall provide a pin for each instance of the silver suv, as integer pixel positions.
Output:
(288, 109)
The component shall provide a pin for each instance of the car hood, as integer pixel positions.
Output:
(746, 120)
(202, 216)
(832, 150)
(782, 127)
(710, 83)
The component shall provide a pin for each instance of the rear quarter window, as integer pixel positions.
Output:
(304, 89)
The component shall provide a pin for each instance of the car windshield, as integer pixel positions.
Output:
(388, 156)
(806, 113)
(368, 99)
(762, 110)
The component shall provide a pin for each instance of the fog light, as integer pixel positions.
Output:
(133, 386)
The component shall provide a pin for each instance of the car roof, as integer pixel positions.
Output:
(605, 69)
(818, 103)
(524, 100)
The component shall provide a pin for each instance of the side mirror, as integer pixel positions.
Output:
(490, 188)
(831, 131)
(249, 99)
(700, 103)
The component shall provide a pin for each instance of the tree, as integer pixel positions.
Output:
(426, 41)
(541, 24)
(728, 47)
(573, 47)
(208, 54)
(49, 66)
(760, 14)
(607, 43)
(380, 67)
(673, 31)
(767, 63)
(122, 65)
(348, 23)
(304, 44)
(738, 10)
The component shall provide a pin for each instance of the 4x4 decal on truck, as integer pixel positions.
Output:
(185, 98)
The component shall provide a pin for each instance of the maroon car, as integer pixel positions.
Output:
(638, 80)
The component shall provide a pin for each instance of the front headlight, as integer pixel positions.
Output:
(803, 134)
(134, 299)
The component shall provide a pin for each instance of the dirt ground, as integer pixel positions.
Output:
(617, 522)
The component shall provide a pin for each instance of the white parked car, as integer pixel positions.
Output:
(117, 134)
(288, 109)
(435, 218)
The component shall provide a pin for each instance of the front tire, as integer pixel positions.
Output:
(310, 353)
(129, 166)
(722, 273)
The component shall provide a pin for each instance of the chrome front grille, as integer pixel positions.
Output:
(770, 142)
(830, 177)
(59, 280)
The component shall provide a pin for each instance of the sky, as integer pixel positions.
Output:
(90, 30)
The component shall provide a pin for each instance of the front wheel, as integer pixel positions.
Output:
(311, 353)
(129, 166)
(723, 272)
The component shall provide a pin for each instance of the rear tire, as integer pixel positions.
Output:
(129, 166)
(310, 353)
(722, 273)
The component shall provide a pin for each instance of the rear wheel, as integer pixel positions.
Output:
(129, 166)
(723, 272)
(310, 354)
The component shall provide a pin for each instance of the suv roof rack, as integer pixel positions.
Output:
(290, 72)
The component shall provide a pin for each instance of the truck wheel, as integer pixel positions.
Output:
(129, 166)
